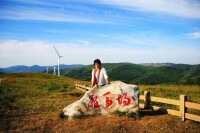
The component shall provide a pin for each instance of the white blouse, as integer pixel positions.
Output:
(102, 78)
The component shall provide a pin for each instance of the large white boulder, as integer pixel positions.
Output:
(106, 100)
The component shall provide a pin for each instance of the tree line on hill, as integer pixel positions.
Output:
(147, 74)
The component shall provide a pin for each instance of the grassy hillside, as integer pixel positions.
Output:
(26, 93)
(192, 76)
(32, 102)
(146, 74)
(116, 71)
(161, 75)
(29, 95)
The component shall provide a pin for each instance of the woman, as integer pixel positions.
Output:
(99, 75)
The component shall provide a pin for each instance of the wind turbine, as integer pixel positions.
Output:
(59, 56)
(47, 69)
(54, 70)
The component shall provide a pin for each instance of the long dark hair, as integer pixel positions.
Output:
(97, 61)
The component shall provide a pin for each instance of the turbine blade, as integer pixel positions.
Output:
(56, 51)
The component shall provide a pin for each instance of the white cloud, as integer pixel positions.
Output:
(181, 8)
(13, 52)
(195, 35)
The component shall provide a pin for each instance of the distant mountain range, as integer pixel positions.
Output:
(148, 73)
(35, 68)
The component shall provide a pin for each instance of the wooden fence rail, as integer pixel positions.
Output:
(82, 87)
(182, 103)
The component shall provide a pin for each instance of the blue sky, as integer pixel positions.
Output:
(137, 31)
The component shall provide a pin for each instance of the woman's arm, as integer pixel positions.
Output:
(106, 76)
(107, 81)
(92, 84)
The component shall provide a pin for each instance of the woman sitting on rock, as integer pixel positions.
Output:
(99, 75)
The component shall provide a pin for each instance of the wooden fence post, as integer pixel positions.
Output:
(147, 99)
(183, 99)
(77, 86)
(84, 85)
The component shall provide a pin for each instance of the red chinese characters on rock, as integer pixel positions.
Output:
(122, 98)
(108, 100)
(93, 103)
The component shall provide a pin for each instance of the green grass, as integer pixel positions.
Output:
(173, 92)
(127, 114)
(22, 94)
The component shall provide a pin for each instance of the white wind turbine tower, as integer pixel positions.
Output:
(54, 70)
(47, 69)
(58, 60)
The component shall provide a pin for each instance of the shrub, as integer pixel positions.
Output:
(53, 86)
(133, 115)
(128, 114)
(71, 87)
(61, 115)
(119, 113)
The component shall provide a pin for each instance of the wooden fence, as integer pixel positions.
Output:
(82, 87)
(182, 103)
